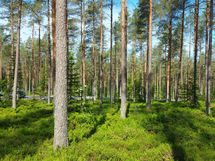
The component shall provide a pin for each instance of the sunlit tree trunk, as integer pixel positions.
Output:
(101, 81)
(180, 68)
(1, 61)
(208, 60)
(33, 62)
(94, 60)
(133, 69)
(111, 50)
(12, 64)
(14, 94)
(49, 56)
(83, 46)
(53, 41)
(123, 71)
(115, 70)
(160, 81)
(39, 52)
(168, 86)
(60, 111)
(196, 21)
(149, 64)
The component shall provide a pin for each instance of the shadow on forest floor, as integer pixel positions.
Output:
(190, 132)
(22, 131)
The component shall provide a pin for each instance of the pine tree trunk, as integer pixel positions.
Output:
(160, 82)
(1, 61)
(33, 62)
(111, 50)
(39, 53)
(12, 62)
(180, 69)
(53, 42)
(83, 43)
(94, 60)
(101, 81)
(123, 71)
(60, 111)
(142, 71)
(115, 70)
(196, 19)
(168, 99)
(49, 56)
(149, 67)
(208, 60)
(14, 94)
(133, 70)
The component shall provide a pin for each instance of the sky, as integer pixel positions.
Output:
(26, 29)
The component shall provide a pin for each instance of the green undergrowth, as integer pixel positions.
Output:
(168, 131)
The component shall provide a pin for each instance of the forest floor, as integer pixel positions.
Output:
(169, 131)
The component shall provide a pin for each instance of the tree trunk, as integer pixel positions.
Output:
(180, 69)
(133, 69)
(149, 64)
(160, 82)
(39, 53)
(101, 81)
(33, 62)
(115, 70)
(111, 47)
(168, 99)
(14, 94)
(196, 19)
(53, 41)
(124, 59)
(142, 71)
(208, 60)
(83, 43)
(49, 56)
(94, 60)
(60, 111)
(1, 61)
(12, 62)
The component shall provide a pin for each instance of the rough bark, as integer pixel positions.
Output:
(83, 43)
(101, 81)
(60, 111)
(149, 64)
(208, 61)
(53, 41)
(111, 50)
(123, 69)
(12, 64)
(49, 56)
(15, 83)
(196, 21)
(180, 69)
(94, 60)
(1, 61)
